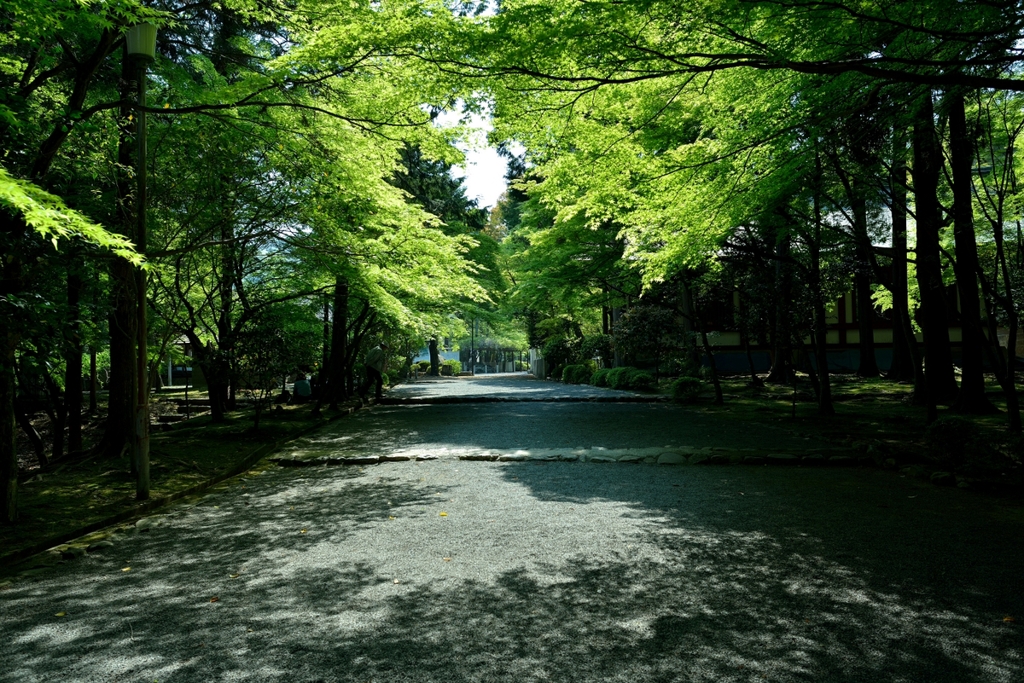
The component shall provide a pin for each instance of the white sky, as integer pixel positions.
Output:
(484, 171)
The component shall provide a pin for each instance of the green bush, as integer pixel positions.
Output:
(597, 346)
(617, 378)
(623, 378)
(455, 365)
(558, 353)
(952, 440)
(639, 379)
(578, 374)
(686, 389)
(569, 373)
(424, 365)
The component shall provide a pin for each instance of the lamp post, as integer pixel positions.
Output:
(141, 43)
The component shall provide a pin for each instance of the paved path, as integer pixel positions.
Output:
(452, 570)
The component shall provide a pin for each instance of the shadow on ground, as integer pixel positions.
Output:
(555, 425)
(665, 574)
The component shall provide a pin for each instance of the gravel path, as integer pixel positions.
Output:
(449, 570)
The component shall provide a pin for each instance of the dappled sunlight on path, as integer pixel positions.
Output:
(540, 571)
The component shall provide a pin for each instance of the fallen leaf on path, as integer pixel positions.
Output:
(215, 599)
(233, 576)
(127, 569)
(396, 581)
(390, 517)
(447, 559)
(1008, 620)
(303, 531)
(61, 614)
(443, 514)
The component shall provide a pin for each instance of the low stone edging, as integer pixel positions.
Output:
(447, 400)
(653, 456)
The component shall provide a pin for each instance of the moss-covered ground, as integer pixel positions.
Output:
(88, 490)
(876, 416)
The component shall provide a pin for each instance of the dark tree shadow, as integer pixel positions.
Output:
(725, 574)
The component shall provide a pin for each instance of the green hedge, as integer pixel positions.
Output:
(639, 379)
(686, 389)
(578, 374)
(456, 366)
(624, 378)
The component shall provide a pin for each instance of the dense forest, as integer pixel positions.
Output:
(298, 206)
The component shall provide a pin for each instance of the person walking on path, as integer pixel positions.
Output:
(374, 362)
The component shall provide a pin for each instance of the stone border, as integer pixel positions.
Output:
(243, 465)
(667, 455)
(447, 400)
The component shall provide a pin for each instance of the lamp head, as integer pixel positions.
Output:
(141, 41)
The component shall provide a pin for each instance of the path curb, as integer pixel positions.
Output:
(443, 400)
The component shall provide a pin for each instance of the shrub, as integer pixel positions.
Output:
(686, 389)
(597, 346)
(624, 378)
(952, 440)
(578, 374)
(424, 365)
(558, 353)
(455, 365)
(638, 379)
(617, 378)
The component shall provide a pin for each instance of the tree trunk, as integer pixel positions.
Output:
(73, 362)
(971, 398)
(939, 377)
(906, 365)
(217, 372)
(781, 369)
(120, 428)
(225, 303)
(719, 398)
(867, 365)
(338, 387)
(92, 381)
(617, 359)
(9, 339)
(825, 406)
(119, 435)
(58, 415)
(38, 447)
(435, 358)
